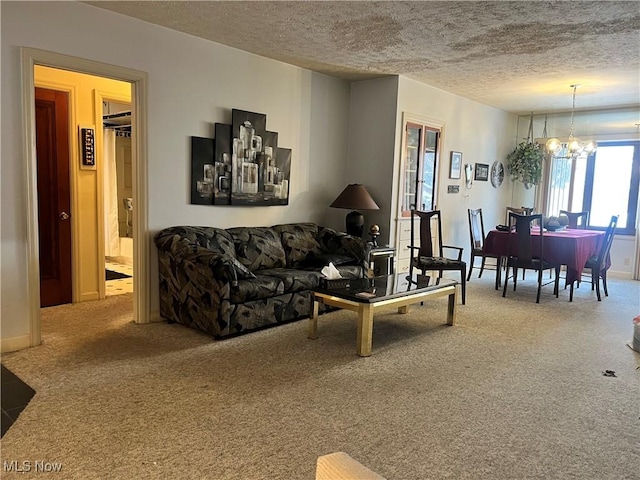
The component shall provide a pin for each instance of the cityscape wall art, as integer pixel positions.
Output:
(241, 165)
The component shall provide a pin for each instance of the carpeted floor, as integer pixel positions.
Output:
(514, 391)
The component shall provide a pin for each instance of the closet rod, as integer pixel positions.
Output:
(110, 116)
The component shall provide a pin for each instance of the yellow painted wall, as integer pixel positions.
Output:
(86, 93)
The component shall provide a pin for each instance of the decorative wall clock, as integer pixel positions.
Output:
(497, 174)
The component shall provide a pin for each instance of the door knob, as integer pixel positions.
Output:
(64, 216)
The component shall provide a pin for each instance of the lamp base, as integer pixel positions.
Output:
(355, 223)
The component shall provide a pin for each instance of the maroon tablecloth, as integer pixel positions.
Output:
(567, 247)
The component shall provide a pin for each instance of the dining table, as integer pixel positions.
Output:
(569, 247)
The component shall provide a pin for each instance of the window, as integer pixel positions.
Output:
(605, 183)
(420, 167)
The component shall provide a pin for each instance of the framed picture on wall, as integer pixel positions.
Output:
(87, 141)
(482, 172)
(456, 165)
(202, 171)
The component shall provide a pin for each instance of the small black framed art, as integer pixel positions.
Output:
(481, 172)
(87, 140)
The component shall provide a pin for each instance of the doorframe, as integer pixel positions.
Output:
(139, 87)
(100, 96)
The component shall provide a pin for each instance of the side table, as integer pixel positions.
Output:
(381, 260)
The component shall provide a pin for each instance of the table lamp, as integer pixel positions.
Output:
(355, 197)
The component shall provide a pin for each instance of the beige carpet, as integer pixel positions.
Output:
(514, 391)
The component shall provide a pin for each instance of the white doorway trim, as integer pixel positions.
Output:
(139, 87)
(100, 96)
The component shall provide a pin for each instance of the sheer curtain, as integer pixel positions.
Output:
(111, 228)
(636, 272)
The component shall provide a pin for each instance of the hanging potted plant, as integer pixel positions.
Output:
(525, 163)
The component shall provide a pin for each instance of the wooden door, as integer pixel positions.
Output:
(54, 196)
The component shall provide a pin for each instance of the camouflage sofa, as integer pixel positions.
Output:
(230, 281)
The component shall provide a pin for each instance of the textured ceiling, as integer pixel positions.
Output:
(520, 57)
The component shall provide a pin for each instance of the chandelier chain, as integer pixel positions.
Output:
(573, 148)
(573, 110)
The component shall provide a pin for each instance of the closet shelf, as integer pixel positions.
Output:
(110, 116)
(120, 121)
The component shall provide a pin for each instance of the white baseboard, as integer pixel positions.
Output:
(13, 344)
(620, 275)
(154, 316)
(90, 296)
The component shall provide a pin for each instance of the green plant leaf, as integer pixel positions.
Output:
(525, 163)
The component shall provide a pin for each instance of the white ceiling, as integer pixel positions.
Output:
(519, 56)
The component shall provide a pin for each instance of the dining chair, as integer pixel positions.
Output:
(526, 251)
(476, 233)
(427, 256)
(578, 220)
(597, 264)
(575, 220)
(519, 211)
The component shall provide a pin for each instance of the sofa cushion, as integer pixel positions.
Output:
(332, 241)
(242, 272)
(294, 280)
(258, 288)
(299, 241)
(322, 260)
(258, 248)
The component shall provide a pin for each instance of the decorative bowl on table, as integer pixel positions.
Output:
(564, 220)
(552, 223)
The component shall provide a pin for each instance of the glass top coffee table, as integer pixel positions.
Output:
(365, 295)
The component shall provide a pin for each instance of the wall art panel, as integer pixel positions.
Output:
(243, 165)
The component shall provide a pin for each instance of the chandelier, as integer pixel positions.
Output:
(572, 147)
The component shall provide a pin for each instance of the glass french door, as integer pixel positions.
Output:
(420, 168)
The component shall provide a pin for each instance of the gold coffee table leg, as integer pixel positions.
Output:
(365, 330)
(313, 322)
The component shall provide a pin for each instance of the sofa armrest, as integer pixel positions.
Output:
(342, 243)
(181, 249)
(195, 285)
(220, 265)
